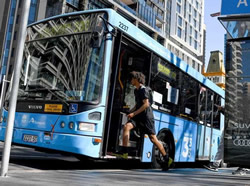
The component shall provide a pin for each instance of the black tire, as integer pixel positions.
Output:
(157, 158)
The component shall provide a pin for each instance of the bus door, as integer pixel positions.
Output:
(211, 125)
(131, 57)
(205, 123)
(217, 128)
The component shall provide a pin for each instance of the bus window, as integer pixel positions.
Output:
(209, 112)
(216, 117)
(202, 104)
(189, 97)
(164, 86)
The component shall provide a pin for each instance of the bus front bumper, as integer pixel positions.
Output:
(78, 144)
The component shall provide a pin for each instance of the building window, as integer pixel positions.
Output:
(178, 8)
(54, 7)
(185, 37)
(179, 21)
(74, 3)
(195, 13)
(17, 19)
(196, 34)
(193, 64)
(195, 44)
(197, 5)
(15, 35)
(177, 52)
(179, 32)
(185, 8)
(12, 52)
(195, 23)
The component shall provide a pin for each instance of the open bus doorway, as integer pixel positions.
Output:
(132, 57)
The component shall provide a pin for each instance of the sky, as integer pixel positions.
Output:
(215, 30)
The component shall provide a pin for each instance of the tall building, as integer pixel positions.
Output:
(187, 31)
(9, 32)
(176, 24)
(234, 85)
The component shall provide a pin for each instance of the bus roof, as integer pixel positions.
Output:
(134, 32)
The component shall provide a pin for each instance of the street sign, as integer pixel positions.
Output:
(229, 7)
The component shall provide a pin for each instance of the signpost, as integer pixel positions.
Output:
(232, 7)
(14, 90)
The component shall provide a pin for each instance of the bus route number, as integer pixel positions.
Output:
(123, 26)
(187, 147)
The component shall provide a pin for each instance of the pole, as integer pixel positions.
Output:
(14, 90)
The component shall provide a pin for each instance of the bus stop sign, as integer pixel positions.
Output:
(230, 7)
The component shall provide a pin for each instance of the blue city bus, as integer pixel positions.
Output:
(75, 92)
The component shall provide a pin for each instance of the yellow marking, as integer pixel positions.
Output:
(53, 108)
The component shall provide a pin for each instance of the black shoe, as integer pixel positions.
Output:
(211, 167)
(168, 163)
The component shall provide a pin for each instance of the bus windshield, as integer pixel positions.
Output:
(62, 67)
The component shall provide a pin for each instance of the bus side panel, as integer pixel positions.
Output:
(184, 132)
(203, 135)
(188, 142)
(215, 143)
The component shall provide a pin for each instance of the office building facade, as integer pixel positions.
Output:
(176, 24)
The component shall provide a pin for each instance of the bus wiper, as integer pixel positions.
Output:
(52, 91)
(42, 89)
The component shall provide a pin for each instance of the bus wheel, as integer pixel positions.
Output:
(157, 158)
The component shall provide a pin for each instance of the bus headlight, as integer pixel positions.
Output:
(90, 127)
(71, 125)
(62, 124)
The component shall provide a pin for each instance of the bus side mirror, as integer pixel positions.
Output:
(97, 36)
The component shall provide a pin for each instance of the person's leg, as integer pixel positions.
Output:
(157, 143)
(167, 161)
(126, 133)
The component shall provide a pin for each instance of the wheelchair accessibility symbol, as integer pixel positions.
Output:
(73, 108)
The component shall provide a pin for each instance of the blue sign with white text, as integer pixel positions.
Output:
(229, 7)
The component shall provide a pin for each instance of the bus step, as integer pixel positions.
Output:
(125, 156)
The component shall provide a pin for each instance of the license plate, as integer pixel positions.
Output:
(29, 138)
